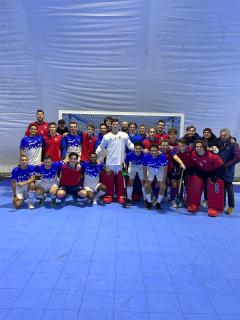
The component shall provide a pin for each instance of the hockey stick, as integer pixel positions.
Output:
(125, 175)
(180, 186)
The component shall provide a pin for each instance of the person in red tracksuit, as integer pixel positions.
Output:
(147, 142)
(205, 164)
(42, 126)
(53, 143)
(161, 134)
(88, 142)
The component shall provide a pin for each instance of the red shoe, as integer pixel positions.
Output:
(121, 200)
(107, 199)
(213, 212)
(192, 208)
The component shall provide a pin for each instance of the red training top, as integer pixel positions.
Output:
(42, 128)
(186, 156)
(53, 146)
(208, 162)
(70, 177)
(147, 143)
(88, 146)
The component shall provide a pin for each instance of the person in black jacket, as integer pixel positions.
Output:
(209, 138)
(229, 153)
(191, 136)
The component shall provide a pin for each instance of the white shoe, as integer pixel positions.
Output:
(174, 204)
(94, 201)
(31, 205)
(204, 203)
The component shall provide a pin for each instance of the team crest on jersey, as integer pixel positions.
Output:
(216, 188)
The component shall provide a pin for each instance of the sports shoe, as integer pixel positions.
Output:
(149, 205)
(128, 203)
(174, 204)
(229, 210)
(41, 201)
(53, 202)
(158, 206)
(94, 201)
(63, 202)
(31, 205)
(204, 203)
(121, 200)
(192, 208)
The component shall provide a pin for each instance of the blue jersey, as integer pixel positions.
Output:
(134, 159)
(49, 174)
(71, 143)
(136, 137)
(155, 163)
(91, 173)
(21, 175)
(32, 147)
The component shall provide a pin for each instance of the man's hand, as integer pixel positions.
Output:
(20, 184)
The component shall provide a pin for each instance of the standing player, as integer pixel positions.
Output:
(154, 166)
(42, 126)
(88, 142)
(61, 127)
(152, 138)
(191, 136)
(72, 142)
(23, 183)
(115, 143)
(143, 131)
(103, 131)
(132, 132)
(124, 126)
(108, 122)
(172, 137)
(31, 146)
(92, 186)
(48, 172)
(134, 161)
(161, 134)
(70, 179)
(53, 143)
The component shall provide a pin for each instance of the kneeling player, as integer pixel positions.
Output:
(92, 186)
(70, 180)
(23, 183)
(49, 181)
(134, 160)
(207, 168)
(154, 166)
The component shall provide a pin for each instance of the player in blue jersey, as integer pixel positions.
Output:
(134, 161)
(72, 142)
(23, 183)
(154, 166)
(92, 186)
(48, 172)
(32, 145)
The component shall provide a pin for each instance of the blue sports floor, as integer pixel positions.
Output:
(108, 262)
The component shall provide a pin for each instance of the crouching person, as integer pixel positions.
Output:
(208, 169)
(91, 170)
(70, 180)
(23, 185)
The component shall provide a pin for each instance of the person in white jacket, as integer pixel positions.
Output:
(114, 145)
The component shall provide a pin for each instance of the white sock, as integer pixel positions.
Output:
(99, 194)
(143, 192)
(148, 197)
(129, 192)
(38, 196)
(53, 196)
(159, 198)
(31, 195)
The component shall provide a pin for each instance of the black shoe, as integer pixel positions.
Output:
(41, 201)
(53, 202)
(158, 206)
(149, 205)
(128, 203)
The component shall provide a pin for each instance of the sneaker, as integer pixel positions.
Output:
(53, 202)
(229, 210)
(128, 203)
(204, 203)
(31, 205)
(149, 205)
(107, 199)
(158, 206)
(213, 212)
(41, 201)
(94, 201)
(121, 200)
(174, 204)
(63, 202)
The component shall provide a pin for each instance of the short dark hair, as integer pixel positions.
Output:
(115, 120)
(132, 123)
(152, 128)
(93, 153)
(163, 121)
(71, 154)
(33, 125)
(46, 157)
(40, 110)
(191, 127)
(90, 125)
(52, 123)
(182, 140)
(164, 140)
(153, 145)
(138, 143)
(107, 118)
(61, 121)
(72, 122)
(102, 124)
(174, 130)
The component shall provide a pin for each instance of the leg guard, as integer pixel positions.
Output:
(108, 181)
(215, 191)
(194, 193)
(119, 185)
